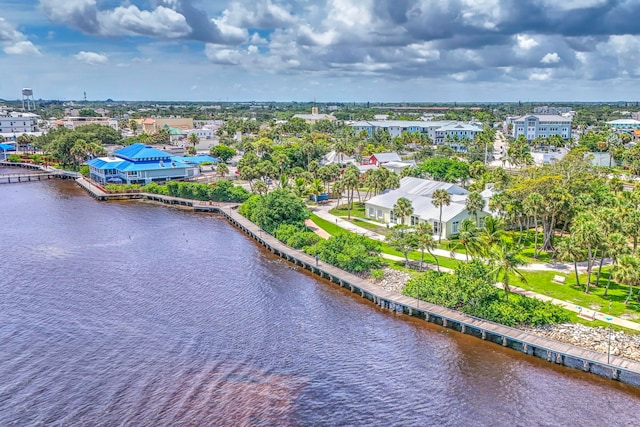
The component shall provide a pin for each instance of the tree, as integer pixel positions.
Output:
(274, 209)
(425, 241)
(568, 250)
(439, 199)
(402, 240)
(402, 209)
(222, 152)
(505, 259)
(474, 204)
(222, 169)
(627, 272)
(316, 188)
(617, 247)
(193, 139)
(351, 180)
(468, 238)
(588, 235)
(533, 205)
(351, 252)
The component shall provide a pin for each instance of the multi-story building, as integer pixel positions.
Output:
(545, 109)
(624, 125)
(439, 132)
(18, 123)
(533, 126)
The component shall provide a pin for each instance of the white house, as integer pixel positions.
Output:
(624, 125)
(440, 132)
(420, 193)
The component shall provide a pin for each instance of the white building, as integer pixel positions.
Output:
(18, 123)
(420, 193)
(439, 132)
(533, 126)
(624, 125)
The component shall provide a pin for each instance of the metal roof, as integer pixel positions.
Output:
(139, 151)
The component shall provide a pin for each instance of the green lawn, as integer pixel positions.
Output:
(356, 211)
(333, 229)
(541, 282)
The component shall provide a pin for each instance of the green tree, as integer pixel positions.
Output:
(588, 235)
(468, 238)
(193, 139)
(627, 272)
(426, 242)
(474, 204)
(569, 250)
(274, 209)
(505, 259)
(533, 205)
(439, 199)
(222, 152)
(402, 209)
(222, 170)
(402, 240)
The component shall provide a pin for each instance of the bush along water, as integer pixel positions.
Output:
(470, 290)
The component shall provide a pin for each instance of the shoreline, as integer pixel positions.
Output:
(569, 355)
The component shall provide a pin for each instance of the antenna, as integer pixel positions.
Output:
(85, 96)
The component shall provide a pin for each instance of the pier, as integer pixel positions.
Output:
(41, 173)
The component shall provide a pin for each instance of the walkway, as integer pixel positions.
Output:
(323, 212)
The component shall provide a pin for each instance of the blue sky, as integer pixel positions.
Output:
(328, 50)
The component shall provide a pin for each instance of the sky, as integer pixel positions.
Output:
(323, 50)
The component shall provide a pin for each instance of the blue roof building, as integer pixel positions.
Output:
(140, 164)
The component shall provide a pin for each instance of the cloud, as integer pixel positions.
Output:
(170, 19)
(14, 42)
(550, 58)
(21, 48)
(91, 58)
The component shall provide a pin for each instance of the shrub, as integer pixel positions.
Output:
(471, 291)
(14, 158)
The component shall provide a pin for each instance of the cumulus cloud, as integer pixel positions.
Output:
(24, 47)
(91, 58)
(169, 19)
(14, 42)
(461, 40)
(550, 58)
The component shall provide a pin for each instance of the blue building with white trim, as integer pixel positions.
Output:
(140, 164)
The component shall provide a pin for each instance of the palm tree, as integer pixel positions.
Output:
(351, 179)
(439, 199)
(315, 188)
(627, 272)
(568, 250)
(222, 169)
(505, 257)
(617, 246)
(474, 204)
(533, 205)
(260, 187)
(402, 209)
(468, 237)
(491, 231)
(425, 241)
(193, 139)
(588, 235)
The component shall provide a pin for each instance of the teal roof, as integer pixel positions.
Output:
(127, 166)
(196, 160)
(141, 152)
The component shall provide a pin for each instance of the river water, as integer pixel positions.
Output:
(137, 314)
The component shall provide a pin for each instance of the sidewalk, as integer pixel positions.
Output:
(589, 314)
(323, 212)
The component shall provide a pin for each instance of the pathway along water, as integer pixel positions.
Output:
(137, 314)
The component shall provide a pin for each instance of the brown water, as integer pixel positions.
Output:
(136, 314)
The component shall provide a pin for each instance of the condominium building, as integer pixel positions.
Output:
(533, 126)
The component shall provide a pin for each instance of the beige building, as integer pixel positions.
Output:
(314, 117)
(153, 125)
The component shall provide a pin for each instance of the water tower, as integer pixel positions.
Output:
(27, 98)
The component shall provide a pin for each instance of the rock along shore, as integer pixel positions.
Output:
(597, 339)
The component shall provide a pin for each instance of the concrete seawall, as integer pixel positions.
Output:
(615, 368)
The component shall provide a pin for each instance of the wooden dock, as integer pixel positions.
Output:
(41, 173)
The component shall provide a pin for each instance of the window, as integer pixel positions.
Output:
(392, 218)
(379, 213)
(414, 220)
(372, 212)
(454, 227)
(436, 227)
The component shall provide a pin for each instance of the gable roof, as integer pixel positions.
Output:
(387, 157)
(426, 187)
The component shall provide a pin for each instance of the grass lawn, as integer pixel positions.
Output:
(333, 229)
(541, 282)
(356, 211)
